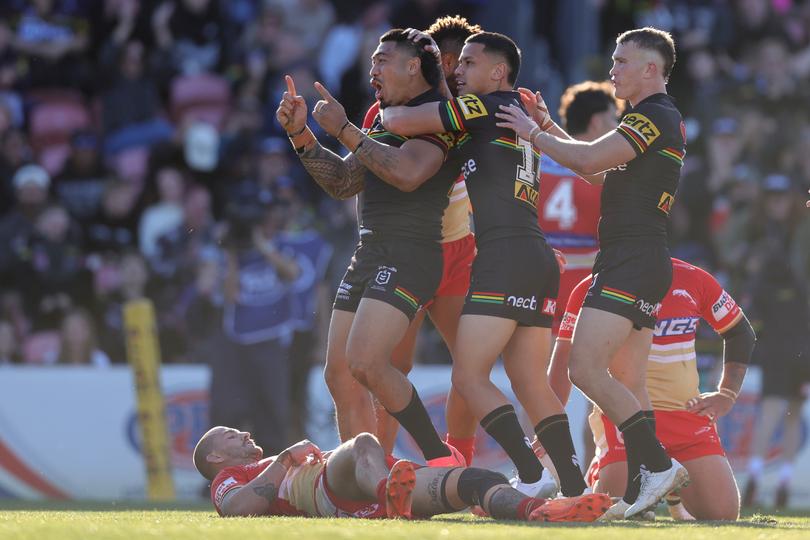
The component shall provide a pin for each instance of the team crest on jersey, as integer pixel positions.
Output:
(384, 275)
(471, 106)
(525, 193)
(447, 138)
(683, 293)
(642, 126)
(665, 202)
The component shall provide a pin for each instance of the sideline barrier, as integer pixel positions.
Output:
(71, 432)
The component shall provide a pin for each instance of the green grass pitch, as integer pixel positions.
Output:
(68, 521)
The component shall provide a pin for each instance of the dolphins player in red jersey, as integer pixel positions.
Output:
(353, 480)
(684, 418)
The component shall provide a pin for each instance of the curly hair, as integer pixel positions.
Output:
(449, 32)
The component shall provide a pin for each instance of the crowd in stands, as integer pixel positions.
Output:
(140, 158)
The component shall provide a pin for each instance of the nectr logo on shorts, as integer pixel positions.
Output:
(648, 308)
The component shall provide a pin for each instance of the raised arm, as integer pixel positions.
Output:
(256, 497)
(409, 121)
(340, 178)
(405, 167)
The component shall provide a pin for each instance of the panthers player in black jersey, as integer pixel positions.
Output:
(511, 301)
(403, 185)
(633, 271)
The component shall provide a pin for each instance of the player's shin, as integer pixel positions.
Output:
(554, 433)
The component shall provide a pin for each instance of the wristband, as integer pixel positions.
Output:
(532, 133)
(729, 393)
(297, 133)
(341, 129)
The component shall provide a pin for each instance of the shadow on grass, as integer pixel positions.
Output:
(104, 506)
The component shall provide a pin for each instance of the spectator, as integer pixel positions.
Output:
(250, 372)
(190, 36)
(31, 183)
(78, 342)
(14, 153)
(166, 213)
(54, 43)
(80, 185)
(113, 228)
(51, 270)
(131, 104)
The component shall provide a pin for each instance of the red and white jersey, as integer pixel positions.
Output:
(568, 212)
(672, 376)
(231, 478)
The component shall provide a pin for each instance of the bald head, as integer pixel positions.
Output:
(222, 447)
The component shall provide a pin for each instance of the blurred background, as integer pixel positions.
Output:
(140, 158)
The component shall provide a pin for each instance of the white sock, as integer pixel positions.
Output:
(785, 472)
(755, 466)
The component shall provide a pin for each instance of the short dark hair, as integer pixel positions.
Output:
(581, 101)
(429, 67)
(450, 32)
(655, 40)
(494, 42)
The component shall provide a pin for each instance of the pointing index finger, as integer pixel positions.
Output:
(323, 92)
(290, 85)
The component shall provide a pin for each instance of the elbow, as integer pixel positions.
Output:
(587, 166)
(408, 182)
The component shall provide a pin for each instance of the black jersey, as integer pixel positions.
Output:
(385, 210)
(501, 170)
(637, 196)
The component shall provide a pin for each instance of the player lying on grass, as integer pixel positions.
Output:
(684, 418)
(354, 481)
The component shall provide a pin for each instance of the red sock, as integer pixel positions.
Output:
(465, 446)
(390, 460)
(527, 505)
(381, 490)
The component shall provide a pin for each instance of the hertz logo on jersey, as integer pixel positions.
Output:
(525, 193)
(665, 202)
(471, 106)
(642, 126)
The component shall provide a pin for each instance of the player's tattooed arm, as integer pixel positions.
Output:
(269, 492)
(406, 167)
(340, 178)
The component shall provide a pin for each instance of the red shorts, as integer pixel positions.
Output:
(347, 508)
(458, 259)
(685, 436)
(568, 280)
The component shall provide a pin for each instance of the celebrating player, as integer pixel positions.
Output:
(510, 305)
(397, 265)
(353, 481)
(684, 418)
(458, 245)
(568, 208)
(633, 270)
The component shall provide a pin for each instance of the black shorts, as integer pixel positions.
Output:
(630, 279)
(400, 272)
(515, 278)
(785, 365)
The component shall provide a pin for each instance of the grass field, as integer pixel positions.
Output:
(46, 521)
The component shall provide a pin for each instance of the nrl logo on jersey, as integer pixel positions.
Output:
(471, 106)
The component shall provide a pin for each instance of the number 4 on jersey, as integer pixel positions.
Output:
(560, 206)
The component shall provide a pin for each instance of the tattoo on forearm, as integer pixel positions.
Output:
(268, 492)
(381, 159)
(339, 178)
(733, 375)
(503, 504)
(433, 488)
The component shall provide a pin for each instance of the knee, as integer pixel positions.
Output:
(337, 377)
(365, 444)
(363, 370)
(464, 382)
(579, 374)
